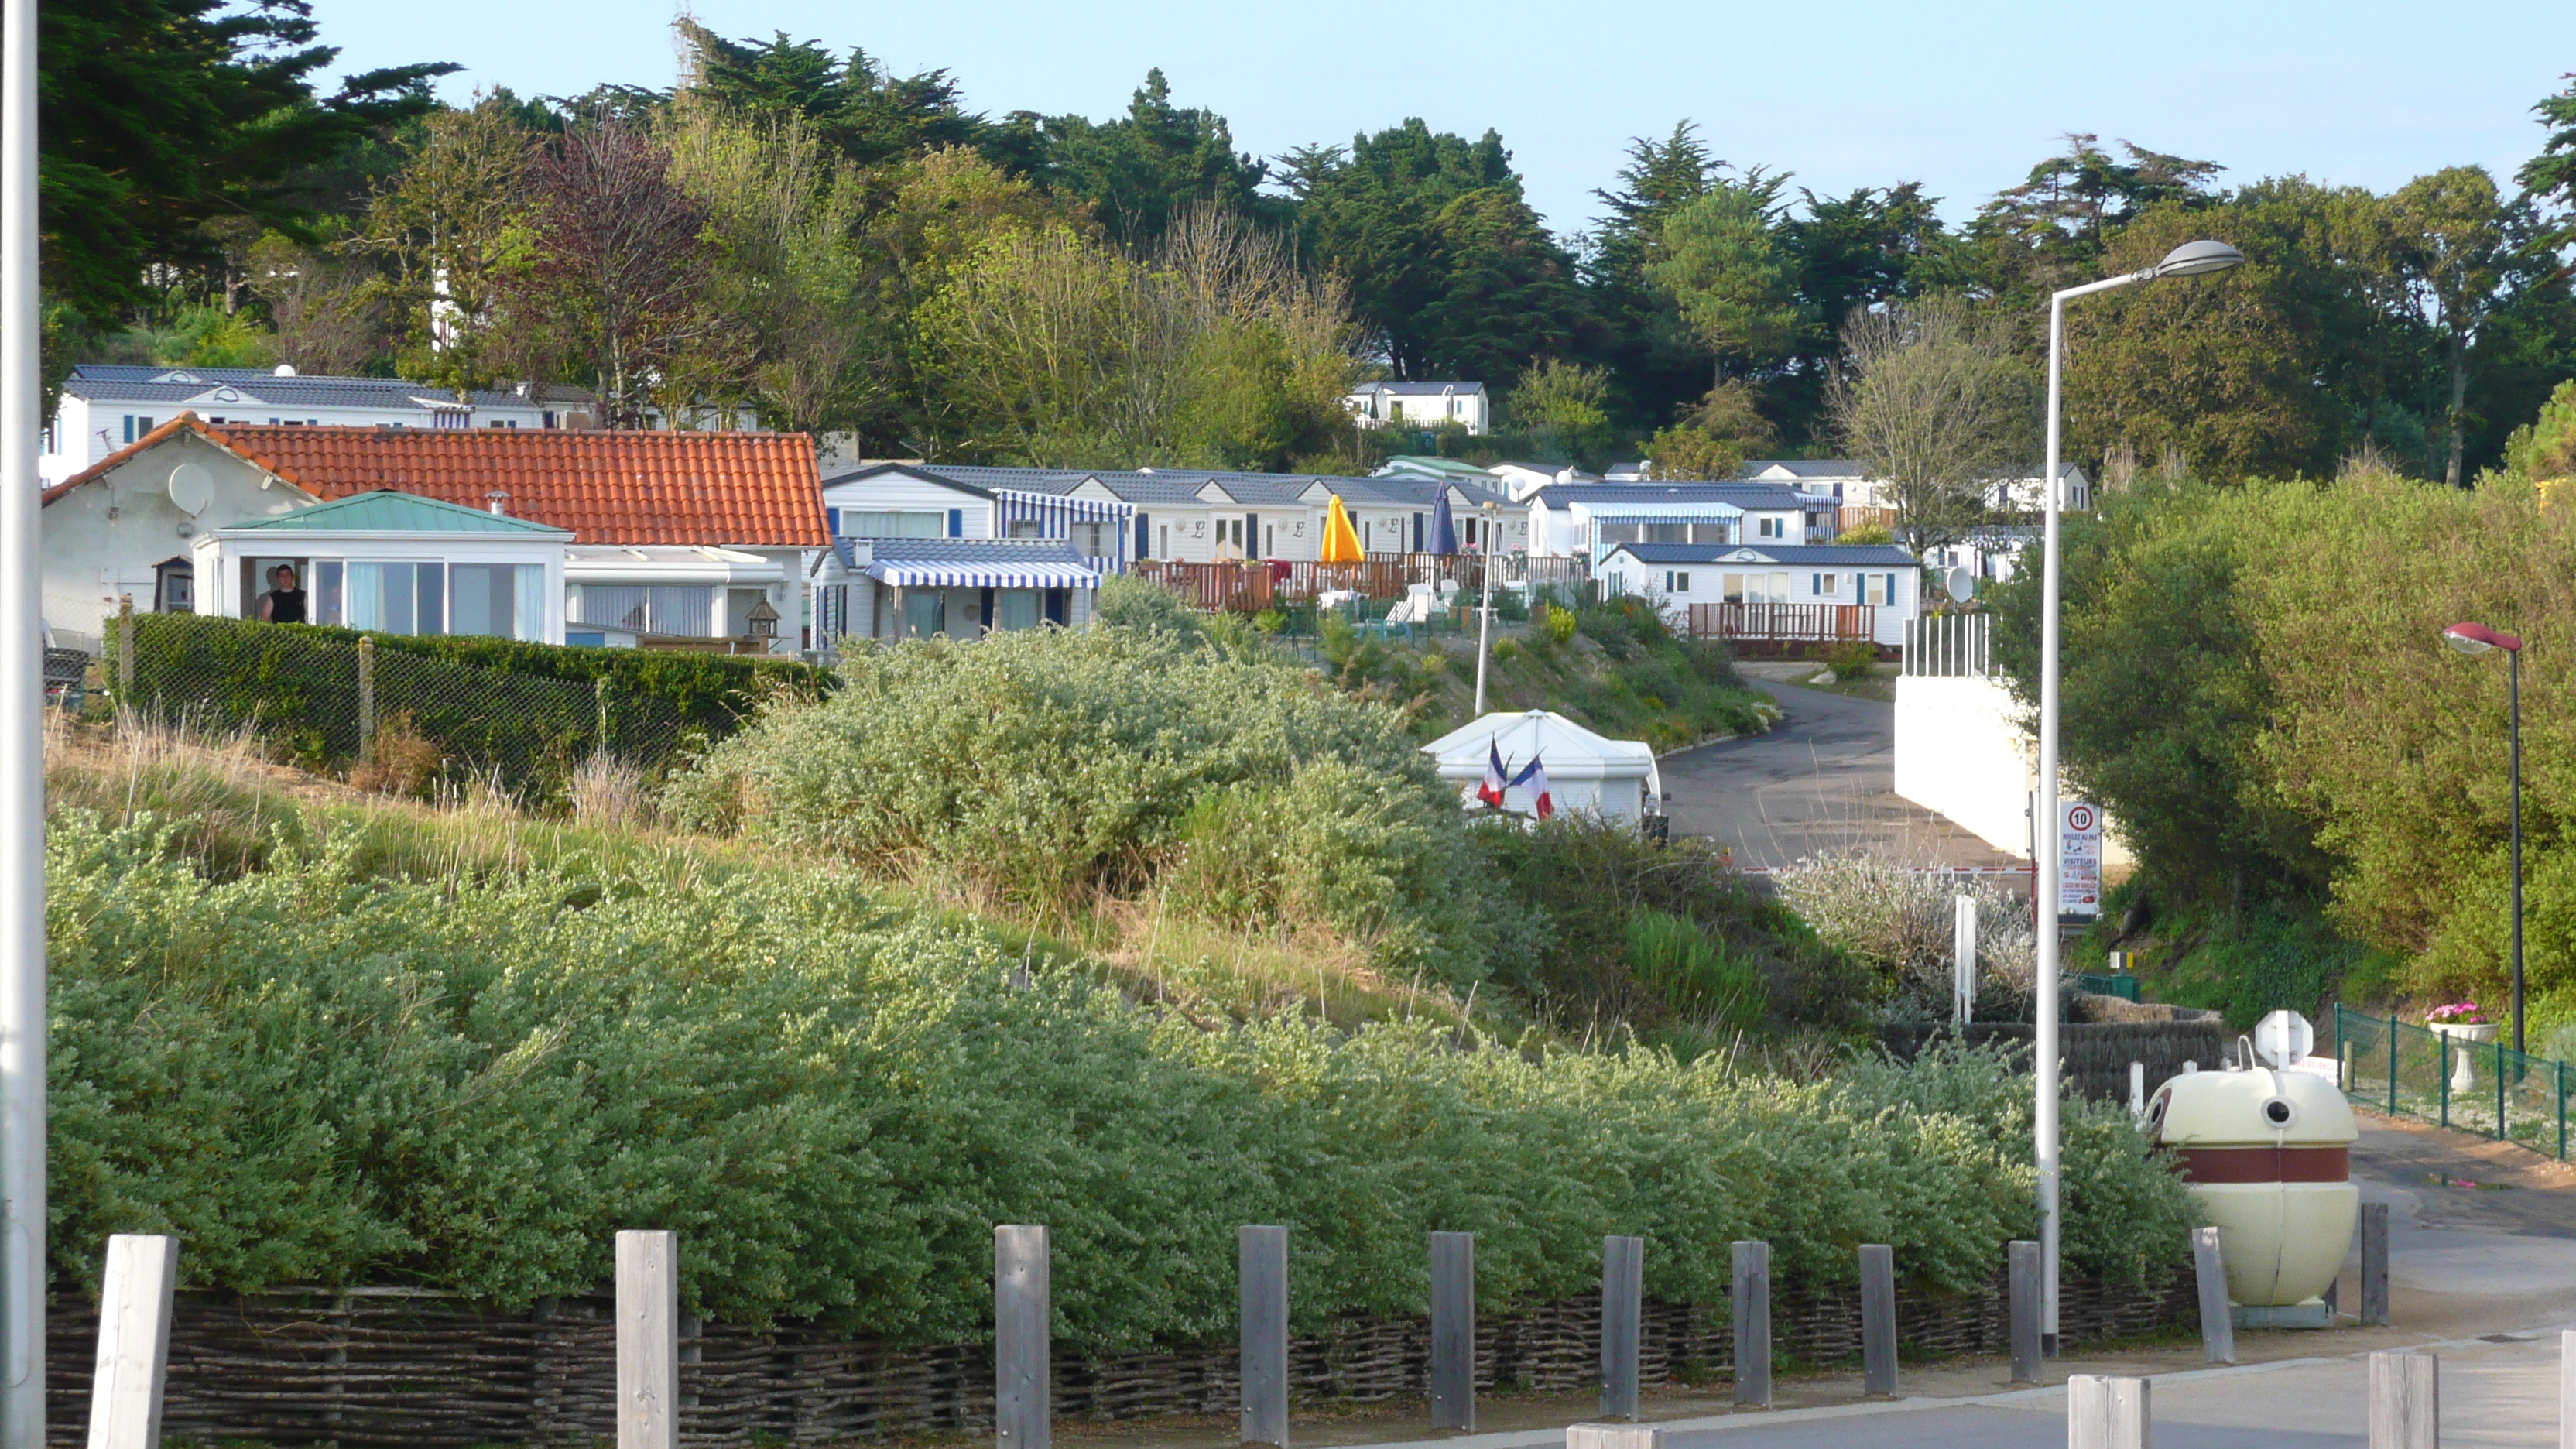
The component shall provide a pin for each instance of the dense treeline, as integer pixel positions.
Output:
(808, 235)
(2256, 685)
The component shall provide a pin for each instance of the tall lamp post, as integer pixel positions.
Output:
(2191, 259)
(2474, 640)
(22, 758)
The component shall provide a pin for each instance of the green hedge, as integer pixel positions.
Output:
(528, 710)
(311, 1077)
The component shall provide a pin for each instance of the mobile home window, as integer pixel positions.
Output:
(1676, 582)
(868, 523)
(506, 601)
(1825, 586)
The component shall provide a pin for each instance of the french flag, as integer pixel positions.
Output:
(1491, 789)
(1534, 775)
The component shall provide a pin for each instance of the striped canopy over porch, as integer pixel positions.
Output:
(970, 563)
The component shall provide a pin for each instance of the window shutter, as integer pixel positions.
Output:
(957, 523)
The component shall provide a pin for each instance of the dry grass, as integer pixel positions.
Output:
(232, 807)
(400, 761)
(609, 793)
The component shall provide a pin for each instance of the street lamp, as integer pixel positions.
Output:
(2191, 259)
(1485, 614)
(2474, 640)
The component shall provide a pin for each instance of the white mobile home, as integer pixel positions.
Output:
(1881, 578)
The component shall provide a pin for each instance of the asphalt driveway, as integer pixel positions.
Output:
(1823, 781)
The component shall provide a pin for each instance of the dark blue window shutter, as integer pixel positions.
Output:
(832, 520)
(957, 523)
(1144, 539)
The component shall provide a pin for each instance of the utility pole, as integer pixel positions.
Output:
(1485, 614)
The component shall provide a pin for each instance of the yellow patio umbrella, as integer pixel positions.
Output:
(1341, 541)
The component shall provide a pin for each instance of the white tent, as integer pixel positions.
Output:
(1585, 771)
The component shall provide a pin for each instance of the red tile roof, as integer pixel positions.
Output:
(183, 423)
(755, 489)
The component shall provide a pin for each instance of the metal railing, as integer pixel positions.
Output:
(1810, 623)
(1949, 646)
(2405, 1070)
(1251, 585)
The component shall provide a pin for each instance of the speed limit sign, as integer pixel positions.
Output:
(2079, 860)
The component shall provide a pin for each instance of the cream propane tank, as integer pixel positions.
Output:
(2269, 1155)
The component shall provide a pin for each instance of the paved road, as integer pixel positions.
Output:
(2482, 1275)
(1823, 781)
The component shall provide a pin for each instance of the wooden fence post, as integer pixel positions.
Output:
(648, 1340)
(2021, 1275)
(1623, 1283)
(125, 649)
(1453, 1331)
(133, 1342)
(1261, 1263)
(1023, 1327)
(2106, 1413)
(2405, 1401)
(1614, 1436)
(2217, 1325)
(366, 697)
(2567, 1388)
(1877, 1319)
(1752, 1289)
(2374, 1263)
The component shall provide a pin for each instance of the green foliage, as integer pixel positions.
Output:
(299, 684)
(1144, 170)
(317, 1078)
(1447, 262)
(1620, 916)
(1852, 659)
(2245, 963)
(158, 117)
(1049, 768)
(1559, 625)
(1897, 923)
(2309, 743)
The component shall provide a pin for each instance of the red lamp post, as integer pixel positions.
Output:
(2474, 640)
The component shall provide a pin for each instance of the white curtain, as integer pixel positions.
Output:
(528, 603)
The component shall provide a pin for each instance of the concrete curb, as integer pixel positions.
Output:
(1752, 1419)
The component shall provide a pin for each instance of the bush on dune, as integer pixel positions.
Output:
(316, 1078)
(1047, 768)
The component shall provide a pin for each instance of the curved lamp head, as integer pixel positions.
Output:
(2193, 258)
(2476, 639)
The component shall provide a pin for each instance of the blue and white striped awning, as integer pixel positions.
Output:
(995, 575)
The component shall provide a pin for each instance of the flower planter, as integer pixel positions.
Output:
(2463, 1035)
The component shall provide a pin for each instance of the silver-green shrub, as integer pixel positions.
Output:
(1899, 921)
(312, 1077)
(1047, 767)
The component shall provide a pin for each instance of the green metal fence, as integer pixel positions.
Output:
(2407, 1070)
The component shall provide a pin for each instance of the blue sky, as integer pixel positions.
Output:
(1962, 98)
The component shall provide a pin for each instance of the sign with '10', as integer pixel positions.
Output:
(2079, 859)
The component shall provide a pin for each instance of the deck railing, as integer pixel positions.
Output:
(1250, 586)
(1788, 623)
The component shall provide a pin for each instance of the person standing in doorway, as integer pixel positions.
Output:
(284, 601)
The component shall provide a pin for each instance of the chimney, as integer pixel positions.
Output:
(495, 500)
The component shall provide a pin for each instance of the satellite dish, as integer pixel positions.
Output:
(2283, 1037)
(191, 488)
(1961, 584)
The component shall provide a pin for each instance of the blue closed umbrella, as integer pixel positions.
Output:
(1444, 534)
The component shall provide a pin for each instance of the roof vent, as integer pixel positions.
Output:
(497, 501)
(286, 369)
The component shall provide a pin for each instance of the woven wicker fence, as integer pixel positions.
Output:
(397, 1366)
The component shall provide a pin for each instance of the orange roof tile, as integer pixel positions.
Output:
(756, 489)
